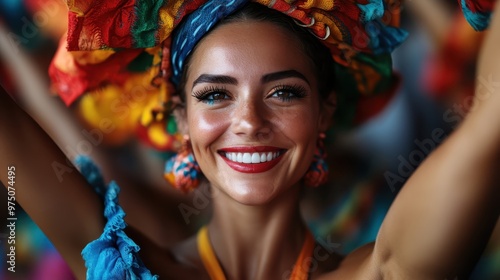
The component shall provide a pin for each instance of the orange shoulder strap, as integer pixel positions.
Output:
(302, 265)
(209, 259)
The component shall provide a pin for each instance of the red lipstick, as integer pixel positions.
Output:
(264, 158)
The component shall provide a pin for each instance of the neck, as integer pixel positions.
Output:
(257, 242)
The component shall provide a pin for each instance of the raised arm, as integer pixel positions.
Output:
(47, 186)
(443, 217)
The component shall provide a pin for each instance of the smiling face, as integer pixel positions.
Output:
(253, 110)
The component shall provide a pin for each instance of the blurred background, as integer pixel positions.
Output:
(369, 164)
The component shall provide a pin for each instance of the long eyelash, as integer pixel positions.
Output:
(299, 90)
(203, 93)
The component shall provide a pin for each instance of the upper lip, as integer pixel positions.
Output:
(250, 149)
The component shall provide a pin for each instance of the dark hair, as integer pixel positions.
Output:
(319, 54)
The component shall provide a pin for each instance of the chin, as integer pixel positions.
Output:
(257, 193)
(252, 194)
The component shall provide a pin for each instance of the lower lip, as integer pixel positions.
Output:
(252, 167)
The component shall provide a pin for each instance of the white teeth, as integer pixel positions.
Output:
(247, 158)
(263, 157)
(252, 157)
(255, 158)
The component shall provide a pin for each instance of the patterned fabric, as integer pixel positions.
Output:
(350, 28)
(194, 27)
(116, 51)
(113, 255)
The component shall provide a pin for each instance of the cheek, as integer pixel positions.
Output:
(205, 127)
(299, 124)
(302, 129)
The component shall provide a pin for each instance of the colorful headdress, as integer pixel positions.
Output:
(115, 48)
(114, 64)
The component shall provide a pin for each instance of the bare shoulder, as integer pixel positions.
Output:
(359, 264)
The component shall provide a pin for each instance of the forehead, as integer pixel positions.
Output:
(247, 48)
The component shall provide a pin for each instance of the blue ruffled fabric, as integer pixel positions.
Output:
(113, 255)
(92, 174)
(479, 21)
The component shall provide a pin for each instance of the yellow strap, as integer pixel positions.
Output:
(300, 269)
(208, 256)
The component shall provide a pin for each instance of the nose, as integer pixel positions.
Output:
(251, 119)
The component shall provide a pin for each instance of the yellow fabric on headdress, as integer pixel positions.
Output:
(121, 40)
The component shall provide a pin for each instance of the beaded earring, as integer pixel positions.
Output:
(318, 171)
(182, 171)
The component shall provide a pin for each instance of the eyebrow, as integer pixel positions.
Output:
(223, 79)
(215, 79)
(283, 75)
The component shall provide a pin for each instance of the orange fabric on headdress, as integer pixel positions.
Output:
(119, 42)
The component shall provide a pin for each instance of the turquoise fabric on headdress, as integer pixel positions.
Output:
(479, 19)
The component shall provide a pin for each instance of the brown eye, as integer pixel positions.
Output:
(211, 96)
(284, 95)
(288, 93)
(217, 96)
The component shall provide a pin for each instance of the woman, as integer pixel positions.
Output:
(254, 112)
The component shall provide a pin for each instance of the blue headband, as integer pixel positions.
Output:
(194, 27)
